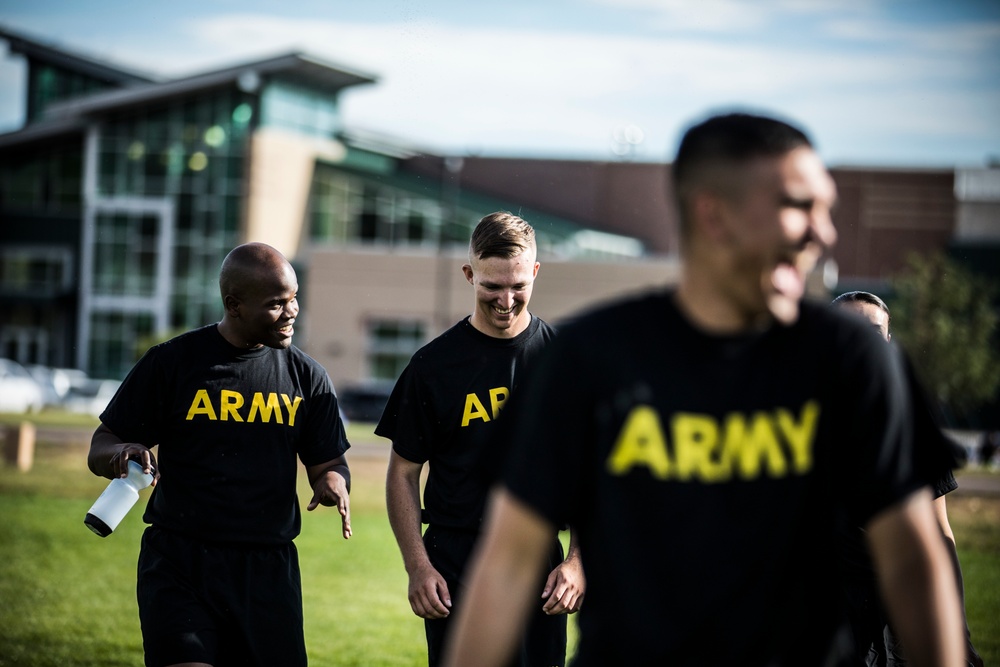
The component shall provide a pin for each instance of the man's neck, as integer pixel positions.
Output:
(226, 329)
(711, 311)
(517, 328)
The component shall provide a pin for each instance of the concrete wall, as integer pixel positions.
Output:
(978, 194)
(882, 216)
(630, 198)
(281, 172)
(347, 289)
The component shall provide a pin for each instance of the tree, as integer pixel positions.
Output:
(144, 342)
(943, 316)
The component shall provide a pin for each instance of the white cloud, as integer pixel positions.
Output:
(734, 15)
(553, 91)
(960, 38)
(502, 90)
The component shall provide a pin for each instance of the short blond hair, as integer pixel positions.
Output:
(501, 234)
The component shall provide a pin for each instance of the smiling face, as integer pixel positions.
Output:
(261, 302)
(503, 290)
(768, 234)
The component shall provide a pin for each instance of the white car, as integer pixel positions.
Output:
(19, 392)
(56, 383)
(91, 396)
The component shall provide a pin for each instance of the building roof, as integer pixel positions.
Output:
(296, 67)
(134, 88)
(39, 51)
(41, 131)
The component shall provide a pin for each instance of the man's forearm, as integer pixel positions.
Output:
(574, 545)
(406, 528)
(403, 508)
(104, 445)
(917, 582)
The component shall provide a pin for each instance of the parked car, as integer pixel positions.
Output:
(364, 402)
(91, 396)
(19, 392)
(56, 382)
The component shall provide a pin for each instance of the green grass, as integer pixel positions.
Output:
(976, 522)
(51, 417)
(67, 597)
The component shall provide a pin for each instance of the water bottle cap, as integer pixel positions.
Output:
(138, 478)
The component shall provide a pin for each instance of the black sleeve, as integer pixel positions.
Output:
(878, 423)
(938, 455)
(323, 438)
(405, 420)
(944, 485)
(548, 427)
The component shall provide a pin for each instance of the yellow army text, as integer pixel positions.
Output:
(774, 443)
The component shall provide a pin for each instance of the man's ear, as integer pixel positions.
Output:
(232, 305)
(708, 214)
(467, 270)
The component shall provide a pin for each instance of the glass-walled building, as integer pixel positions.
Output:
(165, 210)
(122, 194)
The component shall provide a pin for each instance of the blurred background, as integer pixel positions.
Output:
(138, 144)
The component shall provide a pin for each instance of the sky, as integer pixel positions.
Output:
(893, 83)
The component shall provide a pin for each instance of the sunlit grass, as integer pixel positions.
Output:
(67, 597)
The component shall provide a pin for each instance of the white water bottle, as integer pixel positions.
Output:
(121, 494)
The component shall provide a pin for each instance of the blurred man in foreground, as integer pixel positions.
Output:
(704, 440)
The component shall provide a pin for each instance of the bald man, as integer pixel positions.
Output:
(231, 406)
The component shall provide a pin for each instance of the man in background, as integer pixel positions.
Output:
(878, 645)
(443, 412)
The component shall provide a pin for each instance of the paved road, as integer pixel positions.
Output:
(976, 483)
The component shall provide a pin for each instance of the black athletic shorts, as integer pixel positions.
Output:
(221, 605)
(544, 643)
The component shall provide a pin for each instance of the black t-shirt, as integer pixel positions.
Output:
(703, 476)
(939, 452)
(443, 410)
(229, 424)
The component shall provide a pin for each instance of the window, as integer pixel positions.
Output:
(299, 109)
(391, 343)
(125, 256)
(49, 84)
(34, 270)
(345, 209)
(190, 150)
(42, 178)
(114, 342)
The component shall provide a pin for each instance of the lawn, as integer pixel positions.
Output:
(68, 596)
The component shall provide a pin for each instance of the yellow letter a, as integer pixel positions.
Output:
(201, 405)
(474, 409)
(640, 442)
